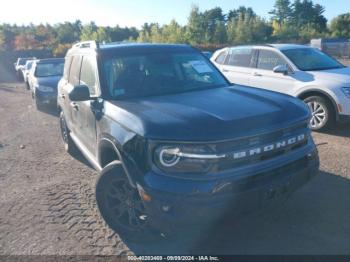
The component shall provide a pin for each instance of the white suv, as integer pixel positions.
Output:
(300, 71)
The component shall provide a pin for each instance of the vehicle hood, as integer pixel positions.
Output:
(341, 75)
(209, 115)
(50, 81)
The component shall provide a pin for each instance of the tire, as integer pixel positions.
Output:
(39, 106)
(121, 206)
(322, 113)
(69, 145)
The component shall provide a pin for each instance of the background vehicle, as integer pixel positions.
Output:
(174, 141)
(43, 79)
(19, 65)
(26, 70)
(304, 72)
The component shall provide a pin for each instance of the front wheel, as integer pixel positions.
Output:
(322, 116)
(120, 204)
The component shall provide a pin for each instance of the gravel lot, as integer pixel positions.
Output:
(47, 201)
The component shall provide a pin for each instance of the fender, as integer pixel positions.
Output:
(323, 93)
(126, 162)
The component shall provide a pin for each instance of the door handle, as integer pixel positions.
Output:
(257, 74)
(225, 70)
(74, 105)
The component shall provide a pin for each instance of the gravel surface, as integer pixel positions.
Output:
(47, 204)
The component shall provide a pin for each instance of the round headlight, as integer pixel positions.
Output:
(168, 157)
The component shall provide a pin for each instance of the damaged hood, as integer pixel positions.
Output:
(208, 115)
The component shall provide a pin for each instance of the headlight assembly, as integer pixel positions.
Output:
(185, 159)
(346, 91)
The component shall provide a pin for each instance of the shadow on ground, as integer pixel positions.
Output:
(315, 220)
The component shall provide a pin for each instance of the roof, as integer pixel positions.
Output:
(126, 47)
(287, 46)
(277, 46)
(142, 47)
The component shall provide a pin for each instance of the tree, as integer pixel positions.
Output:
(68, 32)
(306, 14)
(246, 29)
(195, 27)
(173, 33)
(282, 11)
(340, 25)
(241, 11)
(212, 21)
(2, 41)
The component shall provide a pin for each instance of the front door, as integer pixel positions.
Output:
(263, 76)
(85, 111)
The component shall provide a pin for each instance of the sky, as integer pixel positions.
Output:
(133, 12)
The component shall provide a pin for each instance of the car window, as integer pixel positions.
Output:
(74, 73)
(268, 60)
(221, 57)
(240, 57)
(88, 74)
(310, 59)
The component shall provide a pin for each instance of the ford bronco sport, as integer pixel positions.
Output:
(175, 143)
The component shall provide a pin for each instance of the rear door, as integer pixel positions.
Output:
(238, 65)
(263, 76)
(73, 80)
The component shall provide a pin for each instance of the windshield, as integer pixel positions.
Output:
(49, 69)
(310, 59)
(159, 73)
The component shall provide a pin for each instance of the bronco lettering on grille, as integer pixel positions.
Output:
(269, 147)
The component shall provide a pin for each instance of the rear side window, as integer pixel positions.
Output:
(88, 74)
(67, 64)
(221, 57)
(268, 60)
(240, 57)
(74, 73)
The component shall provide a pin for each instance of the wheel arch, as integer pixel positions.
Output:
(110, 150)
(318, 92)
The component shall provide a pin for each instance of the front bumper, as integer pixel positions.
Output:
(196, 203)
(344, 118)
(49, 98)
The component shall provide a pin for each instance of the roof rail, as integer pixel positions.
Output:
(87, 44)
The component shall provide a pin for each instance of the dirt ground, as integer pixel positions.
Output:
(47, 204)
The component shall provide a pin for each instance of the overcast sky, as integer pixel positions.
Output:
(132, 12)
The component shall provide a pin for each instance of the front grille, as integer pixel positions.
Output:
(230, 148)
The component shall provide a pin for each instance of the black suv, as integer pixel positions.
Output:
(175, 143)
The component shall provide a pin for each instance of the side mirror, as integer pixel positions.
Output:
(79, 93)
(282, 69)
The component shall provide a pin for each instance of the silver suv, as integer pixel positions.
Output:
(301, 71)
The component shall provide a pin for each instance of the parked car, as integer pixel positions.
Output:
(20, 64)
(175, 143)
(301, 71)
(43, 79)
(26, 70)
